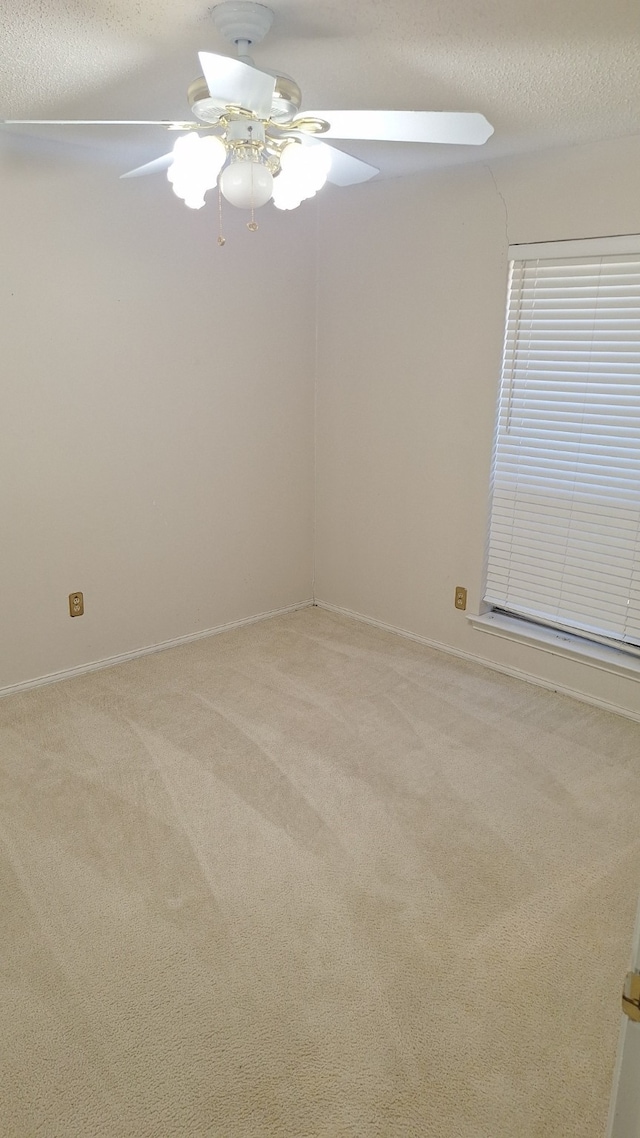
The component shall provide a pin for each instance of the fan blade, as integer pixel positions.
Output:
(345, 169)
(232, 83)
(470, 129)
(170, 123)
(153, 167)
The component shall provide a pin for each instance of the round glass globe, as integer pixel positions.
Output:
(247, 185)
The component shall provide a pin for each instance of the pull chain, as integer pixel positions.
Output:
(253, 224)
(221, 238)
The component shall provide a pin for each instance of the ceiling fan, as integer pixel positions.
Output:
(256, 144)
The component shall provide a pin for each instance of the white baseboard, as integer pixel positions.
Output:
(111, 661)
(517, 673)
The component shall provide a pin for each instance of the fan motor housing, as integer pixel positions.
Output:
(287, 99)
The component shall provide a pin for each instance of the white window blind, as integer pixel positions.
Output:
(564, 543)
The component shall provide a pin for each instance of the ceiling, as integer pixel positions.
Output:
(544, 72)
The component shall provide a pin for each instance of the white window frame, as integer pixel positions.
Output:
(541, 629)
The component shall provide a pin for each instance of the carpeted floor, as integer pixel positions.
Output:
(308, 879)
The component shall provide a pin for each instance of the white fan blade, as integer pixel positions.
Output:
(455, 127)
(232, 83)
(171, 123)
(345, 169)
(153, 167)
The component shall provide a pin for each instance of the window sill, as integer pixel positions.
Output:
(558, 644)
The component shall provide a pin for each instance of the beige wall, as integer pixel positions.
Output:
(156, 435)
(412, 285)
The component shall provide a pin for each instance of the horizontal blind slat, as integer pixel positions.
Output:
(564, 541)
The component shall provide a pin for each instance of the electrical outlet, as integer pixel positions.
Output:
(461, 597)
(76, 604)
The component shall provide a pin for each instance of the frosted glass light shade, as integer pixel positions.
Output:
(285, 195)
(303, 171)
(246, 184)
(196, 164)
(306, 165)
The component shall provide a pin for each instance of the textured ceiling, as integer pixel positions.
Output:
(544, 72)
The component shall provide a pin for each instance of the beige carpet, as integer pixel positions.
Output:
(306, 879)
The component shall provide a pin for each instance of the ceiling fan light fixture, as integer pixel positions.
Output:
(195, 167)
(285, 201)
(261, 146)
(193, 200)
(246, 182)
(303, 171)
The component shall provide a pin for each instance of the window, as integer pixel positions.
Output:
(564, 543)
